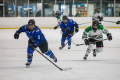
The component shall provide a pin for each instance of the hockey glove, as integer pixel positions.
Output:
(76, 30)
(55, 27)
(33, 46)
(63, 30)
(118, 22)
(16, 35)
(100, 18)
(67, 30)
(109, 36)
(86, 42)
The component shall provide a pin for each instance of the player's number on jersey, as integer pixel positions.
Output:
(38, 36)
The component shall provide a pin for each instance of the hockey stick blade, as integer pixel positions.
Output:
(65, 69)
(79, 44)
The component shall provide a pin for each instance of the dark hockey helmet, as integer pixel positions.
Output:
(64, 17)
(98, 10)
(98, 7)
(31, 22)
(57, 14)
(96, 23)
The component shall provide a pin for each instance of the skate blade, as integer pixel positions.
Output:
(60, 48)
(85, 58)
(27, 66)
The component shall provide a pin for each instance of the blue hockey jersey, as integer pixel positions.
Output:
(35, 35)
(70, 24)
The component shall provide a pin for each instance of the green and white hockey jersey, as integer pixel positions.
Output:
(59, 20)
(95, 16)
(97, 35)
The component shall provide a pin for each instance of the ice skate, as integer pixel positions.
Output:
(69, 47)
(94, 52)
(28, 64)
(61, 46)
(85, 57)
(55, 59)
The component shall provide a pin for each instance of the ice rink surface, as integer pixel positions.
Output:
(13, 56)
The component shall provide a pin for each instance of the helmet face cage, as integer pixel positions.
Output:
(96, 23)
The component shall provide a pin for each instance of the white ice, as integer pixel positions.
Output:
(13, 56)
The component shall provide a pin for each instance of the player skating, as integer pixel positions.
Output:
(98, 16)
(91, 35)
(36, 39)
(67, 27)
(59, 20)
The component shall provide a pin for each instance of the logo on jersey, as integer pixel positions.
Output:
(37, 30)
(94, 36)
(25, 27)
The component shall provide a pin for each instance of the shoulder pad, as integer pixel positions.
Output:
(94, 12)
(58, 17)
(70, 20)
(88, 29)
(25, 26)
(61, 24)
(100, 27)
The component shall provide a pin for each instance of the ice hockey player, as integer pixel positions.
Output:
(118, 22)
(36, 39)
(94, 33)
(59, 20)
(67, 27)
(98, 16)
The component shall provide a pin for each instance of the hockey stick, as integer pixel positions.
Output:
(73, 42)
(66, 42)
(79, 44)
(62, 69)
(78, 24)
(76, 44)
(109, 21)
(84, 44)
(101, 40)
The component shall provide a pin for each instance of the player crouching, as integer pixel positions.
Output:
(93, 35)
(36, 39)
